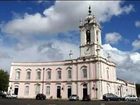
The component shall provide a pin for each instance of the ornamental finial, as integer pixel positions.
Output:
(89, 11)
(108, 56)
(70, 54)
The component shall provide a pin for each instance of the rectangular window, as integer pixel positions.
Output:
(47, 90)
(26, 92)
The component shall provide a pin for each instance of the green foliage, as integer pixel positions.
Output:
(4, 80)
(138, 89)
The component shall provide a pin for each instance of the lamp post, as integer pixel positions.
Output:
(95, 89)
(120, 90)
(43, 81)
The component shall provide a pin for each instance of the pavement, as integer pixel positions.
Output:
(62, 102)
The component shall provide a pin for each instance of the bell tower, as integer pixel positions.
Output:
(90, 36)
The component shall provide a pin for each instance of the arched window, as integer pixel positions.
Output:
(37, 88)
(108, 88)
(88, 36)
(58, 73)
(107, 72)
(97, 33)
(49, 74)
(84, 71)
(47, 90)
(17, 75)
(28, 75)
(38, 74)
(69, 72)
(26, 92)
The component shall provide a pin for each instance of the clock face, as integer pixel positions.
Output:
(87, 50)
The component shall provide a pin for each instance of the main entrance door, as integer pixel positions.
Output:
(85, 90)
(58, 91)
(69, 91)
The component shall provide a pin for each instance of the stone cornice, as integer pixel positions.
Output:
(80, 60)
(70, 81)
(92, 44)
(60, 81)
(91, 59)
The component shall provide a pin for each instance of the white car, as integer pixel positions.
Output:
(11, 96)
(73, 97)
(131, 98)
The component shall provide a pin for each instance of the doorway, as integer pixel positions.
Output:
(58, 91)
(85, 90)
(69, 91)
(16, 91)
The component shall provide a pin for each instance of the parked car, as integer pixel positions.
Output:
(112, 97)
(40, 96)
(2, 94)
(131, 98)
(86, 98)
(73, 97)
(11, 96)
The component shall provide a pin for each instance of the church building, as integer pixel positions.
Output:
(90, 74)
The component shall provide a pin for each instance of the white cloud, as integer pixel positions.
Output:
(52, 50)
(135, 57)
(58, 50)
(63, 16)
(136, 43)
(137, 23)
(127, 63)
(30, 24)
(47, 51)
(112, 38)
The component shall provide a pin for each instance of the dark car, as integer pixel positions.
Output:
(112, 97)
(40, 96)
(73, 97)
(86, 98)
(2, 95)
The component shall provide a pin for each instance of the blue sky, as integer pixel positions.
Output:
(123, 24)
(39, 29)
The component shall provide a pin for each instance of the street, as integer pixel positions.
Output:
(61, 102)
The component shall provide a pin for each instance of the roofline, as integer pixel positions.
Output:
(126, 81)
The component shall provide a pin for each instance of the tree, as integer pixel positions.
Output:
(4, 80)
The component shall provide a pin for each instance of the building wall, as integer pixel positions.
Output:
(101, 79)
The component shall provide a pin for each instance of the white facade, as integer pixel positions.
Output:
(90, 74)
